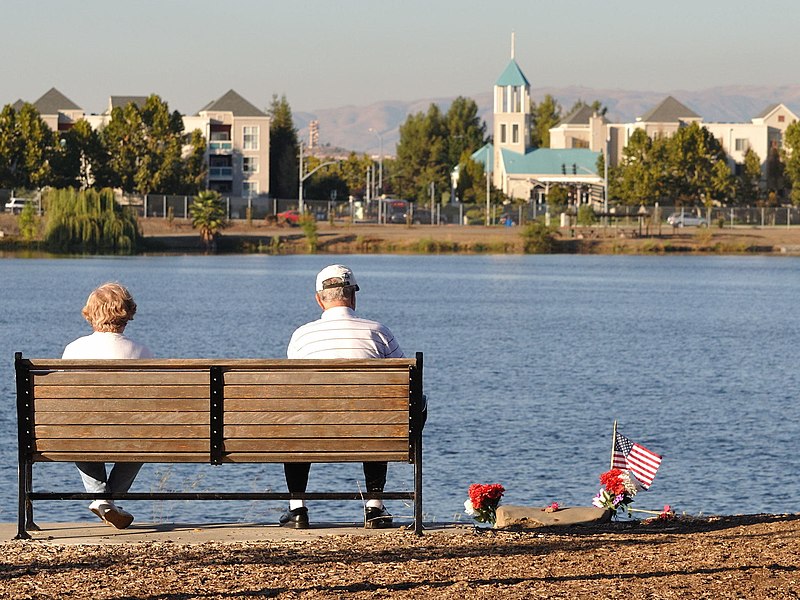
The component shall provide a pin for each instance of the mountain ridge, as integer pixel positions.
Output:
(354, 127)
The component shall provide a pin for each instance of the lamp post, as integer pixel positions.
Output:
(380, 161)
(302, 177)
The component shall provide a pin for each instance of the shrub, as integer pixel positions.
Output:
(538, 238)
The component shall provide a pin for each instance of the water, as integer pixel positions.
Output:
(528, 360)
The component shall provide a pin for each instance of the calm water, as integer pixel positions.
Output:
(528, 360)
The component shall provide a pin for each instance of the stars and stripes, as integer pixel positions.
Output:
(635, 458)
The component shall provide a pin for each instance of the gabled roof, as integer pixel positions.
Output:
(549, 161)
(234, 103)
(773, 108)
(54, 101)
(579, 116)
(123, 101)
(18, 105)
(669, 111)
(512, 75)
(485, 156)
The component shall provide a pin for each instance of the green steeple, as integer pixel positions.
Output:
(512, 75)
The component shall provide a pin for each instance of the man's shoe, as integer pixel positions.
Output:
(297, 518)
(111, 514)
(377, 518)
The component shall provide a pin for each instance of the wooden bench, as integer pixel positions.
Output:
(219, 412)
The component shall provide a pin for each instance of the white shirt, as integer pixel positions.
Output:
(104, 344)
(339, 333)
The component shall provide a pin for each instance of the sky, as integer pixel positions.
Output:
(327, 54)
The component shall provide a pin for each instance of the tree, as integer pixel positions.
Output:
(208, 216)
(283, 150)
(471, 187)
(639, 178)
(89, 221)
(544, 116)
(27, 146)
(596, 107)
(557, 197)
(123, 140)
(749, 178)
(792, 154)
(776, 180)
(465, 132)
(11, 149)
(692, 154)
(81, 160)
(195, 170)
(422, 154)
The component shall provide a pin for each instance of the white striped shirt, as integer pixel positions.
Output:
(339, 333)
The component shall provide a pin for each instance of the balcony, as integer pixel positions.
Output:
(220, 172)
(220, 147)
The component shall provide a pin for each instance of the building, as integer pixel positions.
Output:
(237, 135)
(238, 145)
(526, 173)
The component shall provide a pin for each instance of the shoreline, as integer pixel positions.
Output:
(161, 236)
(751, 556)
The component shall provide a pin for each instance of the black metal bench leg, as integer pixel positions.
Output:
(418, 486)
(22, 508)
(29, 524)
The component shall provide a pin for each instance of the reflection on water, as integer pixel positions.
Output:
(528, 360)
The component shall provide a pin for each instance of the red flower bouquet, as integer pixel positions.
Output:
(483, 502)
(618, 491)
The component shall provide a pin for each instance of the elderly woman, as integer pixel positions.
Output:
(108, 310)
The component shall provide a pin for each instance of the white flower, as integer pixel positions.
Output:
(469, 509)
(598, 502)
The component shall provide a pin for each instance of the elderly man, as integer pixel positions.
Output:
(339, 333)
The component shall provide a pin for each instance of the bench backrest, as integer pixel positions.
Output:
(204, 410)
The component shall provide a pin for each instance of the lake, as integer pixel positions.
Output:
(528, 361)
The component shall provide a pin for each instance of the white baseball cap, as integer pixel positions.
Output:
(342, 277)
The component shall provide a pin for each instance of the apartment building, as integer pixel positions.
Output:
(236, 131)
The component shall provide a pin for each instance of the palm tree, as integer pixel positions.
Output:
(208, 215)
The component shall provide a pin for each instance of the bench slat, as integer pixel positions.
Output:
(184, 364)
(122, 378)
(144, 457)
(121, 391)
(317, 404)
(105, 446)
(122, 418)
(374, 377)
(314, 457)
(122, 431)
(299, 390)
(150, 405)
(316, 431)
(367, 446)
(316, 418)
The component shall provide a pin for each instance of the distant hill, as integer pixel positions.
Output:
(349, 126)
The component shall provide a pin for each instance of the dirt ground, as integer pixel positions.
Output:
(162, 235)
(756, 556)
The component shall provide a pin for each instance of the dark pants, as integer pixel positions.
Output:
(297, 476)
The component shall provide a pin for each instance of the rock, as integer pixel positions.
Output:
(528, 517)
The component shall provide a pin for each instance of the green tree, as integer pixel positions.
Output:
(544, 116)
(11, 150)
(776, 178)
(123, 140)
(557, 197)
(471, 187)
(749, 178)
(28, 222)
(640, 176)
(464, 130)
(422, 154)
(27, 147)
(692, 154)
(89, 222)
(208, 216)
(791, 141)
(195, 169)
(81, 160)
(283, 150)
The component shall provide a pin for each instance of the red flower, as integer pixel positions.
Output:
(612, 480)
(485, 496)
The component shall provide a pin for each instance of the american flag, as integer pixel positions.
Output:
(641, 462)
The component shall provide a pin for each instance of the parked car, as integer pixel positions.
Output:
(290, 217)
(686, 220)
(15, 205)
(418, 216)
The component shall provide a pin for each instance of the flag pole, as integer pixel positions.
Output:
(613, 443)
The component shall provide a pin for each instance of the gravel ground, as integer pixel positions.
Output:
(755, 556)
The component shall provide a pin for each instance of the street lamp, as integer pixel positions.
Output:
(380, 161)
(302, 177)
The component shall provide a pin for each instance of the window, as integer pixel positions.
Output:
(250, 164)
(515, 134)
(742, 144)
(249, 188)
(503, 133)
(250, 141)
(781, 118)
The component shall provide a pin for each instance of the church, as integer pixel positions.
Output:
(525, 173)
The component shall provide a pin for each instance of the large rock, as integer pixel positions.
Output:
(531, 517)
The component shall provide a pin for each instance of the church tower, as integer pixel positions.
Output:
(512, 112)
